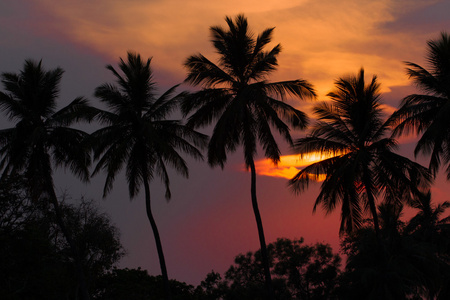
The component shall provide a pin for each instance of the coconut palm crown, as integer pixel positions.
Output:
(42, 133)
(363, 164)
(236, 94)
(428, 113)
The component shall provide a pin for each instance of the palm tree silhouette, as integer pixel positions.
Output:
(42, 135)
(364, 165)
(138, 135)
(427, 114)
(428, 219)
(389, 266)
(236, 94)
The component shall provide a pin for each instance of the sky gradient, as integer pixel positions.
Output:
(209, 219)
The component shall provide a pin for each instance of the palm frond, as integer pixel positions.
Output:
(293, 116)
(13, 108)
(226, 135)
(263, 64)
(298, 88)
(165, 104)
(217, 103)
(265, 113)
(201, 71)
(314, 144)
(301, 180)
(78, 110)
(71, 149)
(263, 39)
(112, 97)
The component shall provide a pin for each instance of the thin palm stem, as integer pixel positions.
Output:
(262, 240)
(162, 261)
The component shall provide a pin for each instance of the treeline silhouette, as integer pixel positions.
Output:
(408, 260)
(387, 259)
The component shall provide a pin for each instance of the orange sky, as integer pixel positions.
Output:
(321, 39)
(209, 219)
(289, 165)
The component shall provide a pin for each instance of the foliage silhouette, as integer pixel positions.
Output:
(35, 258)
(43, 135)
(136, 284)
(398, 265)
(427, 114)
(236, 94)
(138, 135)
(351, 128)
(299, 272)
(432, 231)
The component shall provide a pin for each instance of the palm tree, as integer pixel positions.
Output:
(427, 114)
(389, 266)
(428, 219)
(42, 135)
(138, 135)
(432, 232)
(236, 94)
(364, 164)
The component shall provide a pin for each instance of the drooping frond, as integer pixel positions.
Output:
(210, 105)
(201, 71)
(427, 114)
(297, 88)
(301, 180)
(78, 110)
(71, 149)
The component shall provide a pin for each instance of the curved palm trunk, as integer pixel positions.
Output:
(162, 261)
(262, 241)
(73, 248)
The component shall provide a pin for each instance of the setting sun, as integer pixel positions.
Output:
(290, 165)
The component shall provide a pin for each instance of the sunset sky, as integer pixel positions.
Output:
(209, 219)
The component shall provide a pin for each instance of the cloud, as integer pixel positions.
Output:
(321, 39)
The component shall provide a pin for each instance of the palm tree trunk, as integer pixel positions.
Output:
(371, 199)
(73, 248)
(373, 210)
(162, 261)
(262, 241)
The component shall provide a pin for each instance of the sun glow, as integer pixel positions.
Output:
(290, 165)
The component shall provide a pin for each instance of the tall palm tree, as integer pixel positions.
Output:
(427, 113)
(42, 135)
(236, 93)
(138, 135)
(364, 166)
